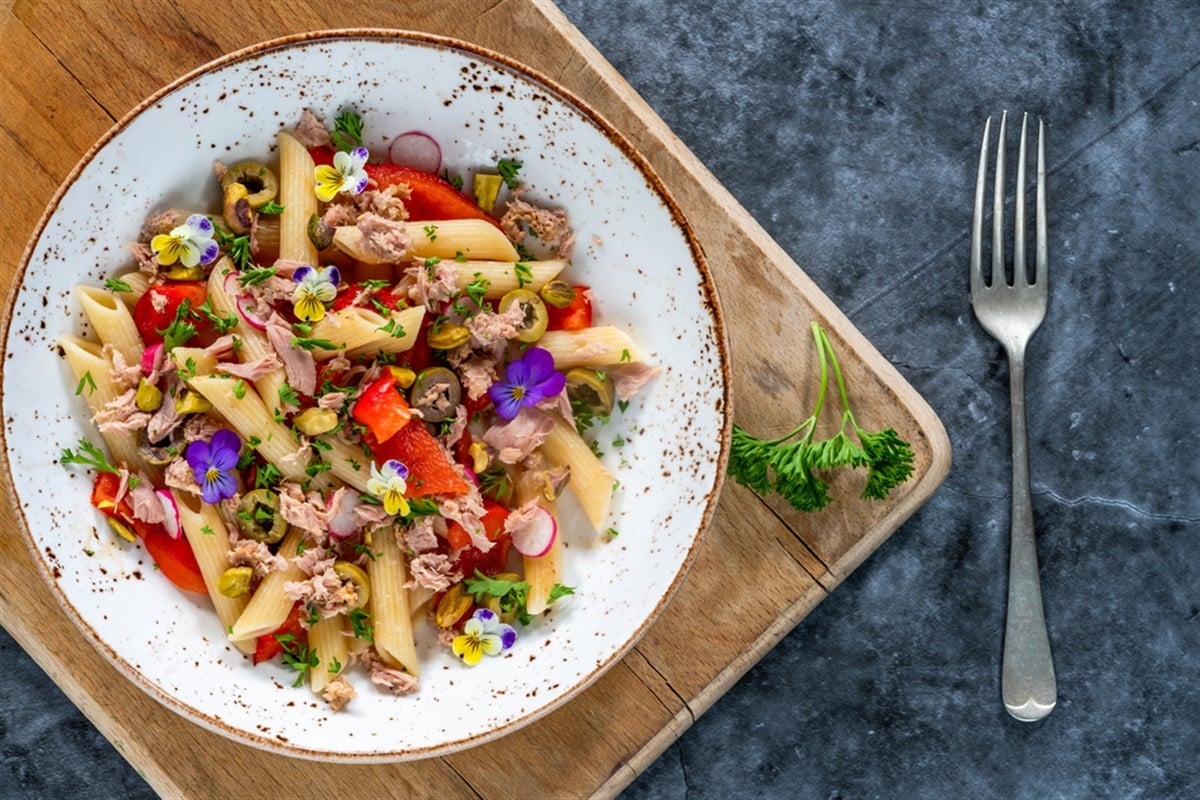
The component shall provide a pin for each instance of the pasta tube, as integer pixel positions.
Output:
(270, 605)
(502, 278)
(91, 370)
(111, 320)
(591, 483)
(601, 346)
(546, 570)
(328, 641)
(299, 201)
(365, 330)
(474, 238)
(254, 342)
(209, 539)
(389, 603)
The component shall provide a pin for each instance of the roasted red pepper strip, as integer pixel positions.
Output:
(174, 557)
(574, 317)
(382, 409)
(429, 472)
(267, 646)
(431, 197)
(150, 321)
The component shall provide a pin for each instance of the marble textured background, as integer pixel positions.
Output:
(850, 131)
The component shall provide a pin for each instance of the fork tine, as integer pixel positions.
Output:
(998, 209)
(1043, 266)
(977, 284)
(1020, 276)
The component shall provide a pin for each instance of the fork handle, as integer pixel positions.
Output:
(1027, 679)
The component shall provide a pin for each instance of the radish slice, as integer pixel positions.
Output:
(417, 150)
(343, 524)
(244, 303)
(536, 535)
(170, 511)
(151, 357)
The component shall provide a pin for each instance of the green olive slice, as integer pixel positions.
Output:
(436, 393)
(260, 182)
(536, 317)
(352, 573)
(259, 518)
(591, 387)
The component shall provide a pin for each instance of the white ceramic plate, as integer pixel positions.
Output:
(634, 248)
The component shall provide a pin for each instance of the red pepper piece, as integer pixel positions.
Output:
(267, 646)
(429, 472)
(574, 317)
(383, 409)
(150, 321)
(431, 196)
(174, 557)
(386, 296)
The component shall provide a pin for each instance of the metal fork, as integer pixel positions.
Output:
(1011, 314)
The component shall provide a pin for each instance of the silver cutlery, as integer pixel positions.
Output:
(1011, 313)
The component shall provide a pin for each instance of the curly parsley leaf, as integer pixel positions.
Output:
(508, 169)
(347, 131)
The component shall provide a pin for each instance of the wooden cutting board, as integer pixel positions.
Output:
(69, 70)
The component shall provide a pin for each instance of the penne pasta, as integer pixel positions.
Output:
(591, 483)
(502, 278)
(348, 463)
(389, 603)
(192, 361)
(270, 605)
(363, 330)
(327, 640)
(138, 283)
(91, 371)
(298, 200)
(601, 346)
(254, 344)
(209, 540)
(444, 239)
(111, 321)
(546, 570)
(250, 418)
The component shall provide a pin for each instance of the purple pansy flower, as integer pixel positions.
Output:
(483, 634)
(527, 381)
(190, 244)
(213, 464)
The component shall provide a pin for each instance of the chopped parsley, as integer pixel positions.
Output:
(301, 658)
(270, 208)
(255, 277)
(117, 285)
(312, 344)
(523, 272)
(360, 622)
(392, 328)
(430, 233)
(180, 330)
(508, 169)
(87, 381)
(347, 130)
(512, 594)
(288, 395)
(239, 389)
(91, 456)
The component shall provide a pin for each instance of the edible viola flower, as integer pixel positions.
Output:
(483, 633)
(388, 484)
(213, 464)
(314, 288)
(190, 243)
(348, 174)
(527, 381)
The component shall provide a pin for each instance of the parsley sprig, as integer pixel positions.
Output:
(347, 130)
(786, 465)
(91, 456)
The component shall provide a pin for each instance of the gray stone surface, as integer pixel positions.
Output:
(850, 131)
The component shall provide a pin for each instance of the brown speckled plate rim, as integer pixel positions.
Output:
(643, 165)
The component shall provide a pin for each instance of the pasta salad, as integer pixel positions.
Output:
(348, 403)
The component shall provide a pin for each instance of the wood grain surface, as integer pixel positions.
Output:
(69, 70)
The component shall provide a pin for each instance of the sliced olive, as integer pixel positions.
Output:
(259, 182)
(149, 397)
(354, 574)
(315, 421)
(487, 189)
(121, 529)
(181, 273)
(320, 233)
(448, 336)
(403, 375)
(533, 325)
(453, 605)
(235, 581)
(259, 518)
(191, 402)
(236, 209)
(435, 393)
(559, 294)
(163, 452)
(591, 387)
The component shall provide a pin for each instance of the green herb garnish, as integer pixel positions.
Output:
(117, 285)
(347, 130)
(786, 464)
(91, 456)
(86, 381)
(508, 169)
